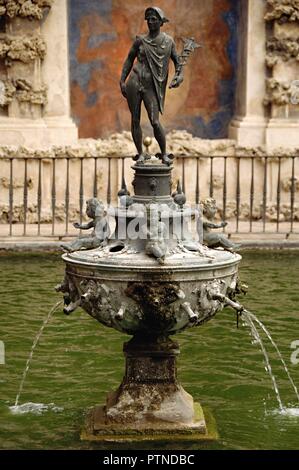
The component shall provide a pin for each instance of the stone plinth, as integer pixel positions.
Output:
(152, 181)
(37, 133)
(150, 404)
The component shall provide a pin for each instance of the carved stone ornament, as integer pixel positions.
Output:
(31, 9)
(23, 91)
(23, 49)
(16, 183)
(278, 92)
(282, 11)
(102, 148)
(288, 183)
(282, 49)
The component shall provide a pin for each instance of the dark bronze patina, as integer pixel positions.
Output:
(148, 78)
(155, 284)
(210, 239)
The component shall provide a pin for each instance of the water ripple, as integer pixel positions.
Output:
(35, 408)
(78, 361)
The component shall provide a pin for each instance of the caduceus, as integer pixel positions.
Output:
(189, 47)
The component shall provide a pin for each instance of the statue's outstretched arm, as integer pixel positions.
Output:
(178, 76)
(176, 60)
(212, 225)
(87, 226)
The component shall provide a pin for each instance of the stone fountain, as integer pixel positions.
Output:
(151, 286)
(150, 278)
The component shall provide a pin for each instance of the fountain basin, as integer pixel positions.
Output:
(130, 292)
(150, 283)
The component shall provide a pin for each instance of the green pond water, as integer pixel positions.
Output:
(78, 360)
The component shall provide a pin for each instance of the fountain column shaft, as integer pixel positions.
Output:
(152, 181)
(150, 391)
(149, 397)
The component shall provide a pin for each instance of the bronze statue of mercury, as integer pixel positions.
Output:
(147, 80)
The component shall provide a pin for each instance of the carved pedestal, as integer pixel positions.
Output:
(124, 285)
(150, 404)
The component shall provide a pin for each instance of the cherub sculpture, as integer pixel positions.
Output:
(210, 239)
(99, 222)
(156, 237)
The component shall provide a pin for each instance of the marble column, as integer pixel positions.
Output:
(282, 85)
(61, 128)
(248, 126)
(37, 111)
